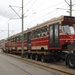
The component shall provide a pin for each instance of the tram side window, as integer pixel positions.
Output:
(38, 32)
(8, 39)
(11, 39)
(15, 39)
(51, 34)
(18, 38)
(33, 34)
(25, 36)
(44, 31)
(56, 33)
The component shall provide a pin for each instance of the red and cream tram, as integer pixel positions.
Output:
(51, 40)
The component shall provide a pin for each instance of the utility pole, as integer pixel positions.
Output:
(22, 55)
(8, 29)
(70, 5)
(8, 38)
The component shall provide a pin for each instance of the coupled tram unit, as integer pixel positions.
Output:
(53, 40)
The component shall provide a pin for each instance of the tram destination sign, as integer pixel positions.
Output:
(69, 18)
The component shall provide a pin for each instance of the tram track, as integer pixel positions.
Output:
(53, 66)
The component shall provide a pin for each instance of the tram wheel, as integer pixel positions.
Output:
(27, 55)
(71, 61)
(36, 57)
(32, 56)
(43, 58)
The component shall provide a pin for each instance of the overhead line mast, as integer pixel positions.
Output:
(70, 5)
(22, 55)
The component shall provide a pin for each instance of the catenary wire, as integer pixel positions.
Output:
(37, 19)
(43, 9)
(30, 7)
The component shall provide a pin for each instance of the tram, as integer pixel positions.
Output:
(53, 40)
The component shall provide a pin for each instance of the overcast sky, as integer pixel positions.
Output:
(35, 12)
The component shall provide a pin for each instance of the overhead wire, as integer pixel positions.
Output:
(32, 4)
(43, 9)
(19, 11)
(39, 5)
(5, 23)
(9, 19)
(12, 2)
(40, 17)
(28, 3)
(5, 13)
(14, 15)
(38, 11)
(45, 14)
(3, 34)
(7, 9)
(30, 7)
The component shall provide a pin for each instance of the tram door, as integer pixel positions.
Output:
(54, 35)
(29, 40)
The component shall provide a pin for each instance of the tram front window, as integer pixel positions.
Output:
(68, 29)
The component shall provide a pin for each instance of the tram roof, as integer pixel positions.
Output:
(51, 21)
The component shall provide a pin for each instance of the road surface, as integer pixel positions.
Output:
(13, 66)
